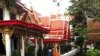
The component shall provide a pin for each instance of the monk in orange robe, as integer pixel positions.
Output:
(55, 51)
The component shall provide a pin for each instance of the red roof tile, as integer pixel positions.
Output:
(56, 16)
(45, 21)
(56, 25)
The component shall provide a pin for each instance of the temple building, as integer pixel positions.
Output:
(17, 26)
(59, 33)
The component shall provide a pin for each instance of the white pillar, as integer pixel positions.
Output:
(6, 14)
(42, 44)
(8, 44)
(7, 41)
(17, 17)
(36, 47)
(23, 46)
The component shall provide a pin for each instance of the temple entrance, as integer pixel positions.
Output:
(2, 46)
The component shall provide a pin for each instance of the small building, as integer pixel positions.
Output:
(93, 30)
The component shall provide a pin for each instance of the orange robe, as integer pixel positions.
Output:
(55, 52)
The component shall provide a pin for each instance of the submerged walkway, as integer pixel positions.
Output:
(71, 53)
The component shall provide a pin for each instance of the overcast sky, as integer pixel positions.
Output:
(47, 7)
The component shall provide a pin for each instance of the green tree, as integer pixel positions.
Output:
(91, 8)
(79, 10)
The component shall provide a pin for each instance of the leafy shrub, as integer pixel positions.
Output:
(93, 52)
(15, 53)
(30, 51)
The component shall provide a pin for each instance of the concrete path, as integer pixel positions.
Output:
(71, 53)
